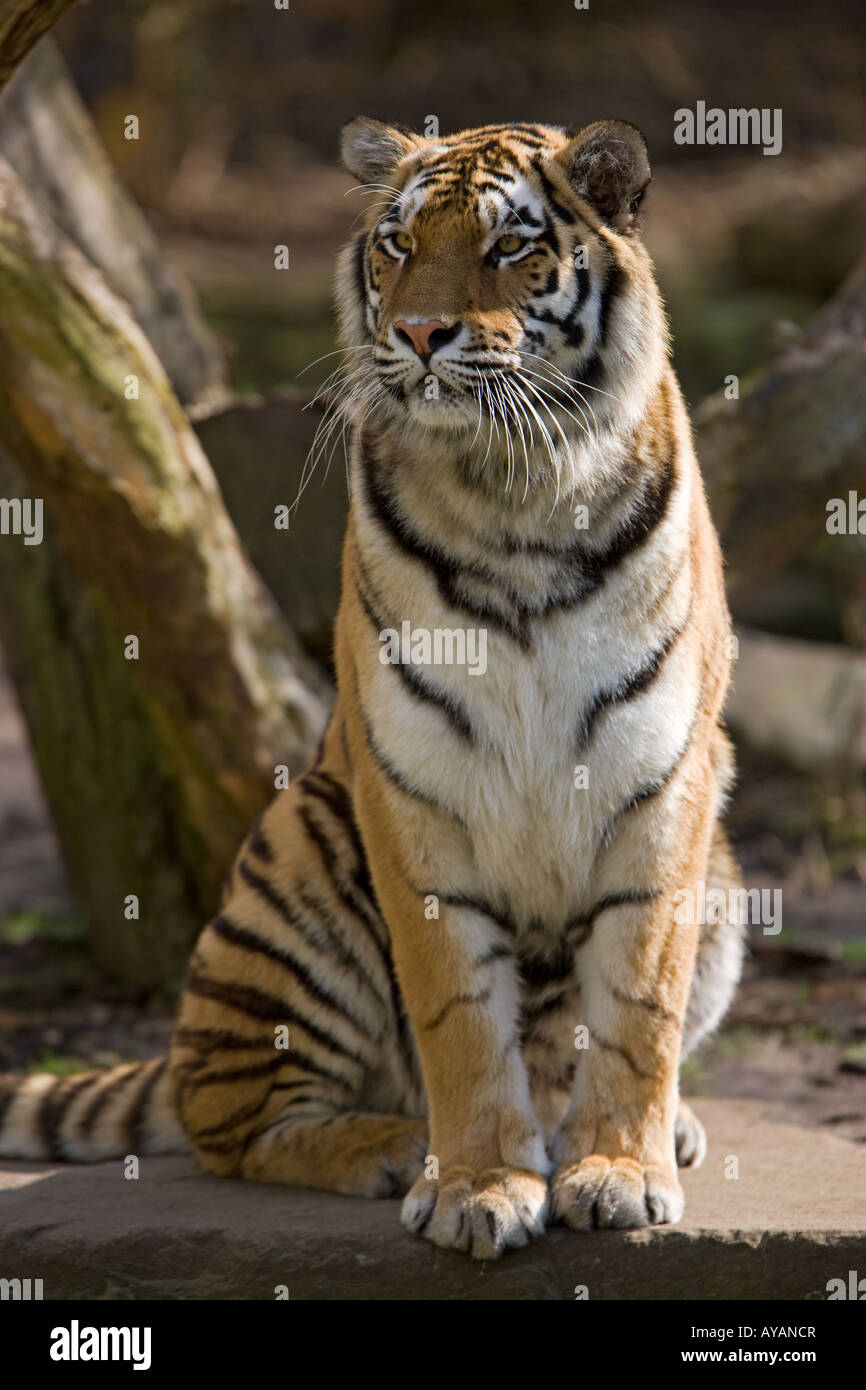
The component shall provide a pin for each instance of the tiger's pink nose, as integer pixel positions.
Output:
(422, 336)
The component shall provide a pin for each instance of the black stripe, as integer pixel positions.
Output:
(268, 1008)
(257, 841)
(592, 371)
(563, 213)
(292, 1057)
(53, 1107)
(561, 1080)
(280, 905)
(399, 779)
(538, 971)
(621, 1052)
(338, 948)
(111, 1089)
(525, 132)
(446, 570)
(245, 1112)
(443, 1013)
(424, 181)
(592, 566)
(495, 953)
(631, 685)
(359, 912)
(360, 267)
(257, 1069)
(585, 572)
(448, 704)
(657, 600)
(651, 1005)
(135, 1120)
(466, 900)
(610, 291)
(410, 676)
(648, 511)
(231, 1148)
(351, 898)
(295, 919)
(494, 183)
(532, 1011)
(335, 796)
(320, 746)
(207, 1040)
(647, 792)
(250, 941)
(285, 1121)
(584, 922)
(568, 325)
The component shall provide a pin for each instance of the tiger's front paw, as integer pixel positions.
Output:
(483, 1213)
(619, 1192)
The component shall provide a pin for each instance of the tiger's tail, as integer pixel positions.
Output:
(90, 1116)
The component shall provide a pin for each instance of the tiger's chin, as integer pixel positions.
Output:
(449, 412)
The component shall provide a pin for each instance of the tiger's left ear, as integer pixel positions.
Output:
(607, 163)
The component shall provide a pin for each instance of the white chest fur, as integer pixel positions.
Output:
(532, 792)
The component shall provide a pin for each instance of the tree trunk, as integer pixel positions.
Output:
(22, 23)
(797, 438)
(154, 762)
(47, 136)
(300, 563)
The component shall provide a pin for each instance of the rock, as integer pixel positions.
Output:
(801, 701)
(793, 1219)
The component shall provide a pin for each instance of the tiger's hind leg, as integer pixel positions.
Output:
(292, 1059)
(690, 1138)
(717, 971)
(361, 1155)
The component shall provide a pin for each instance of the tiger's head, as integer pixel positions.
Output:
(500, 274)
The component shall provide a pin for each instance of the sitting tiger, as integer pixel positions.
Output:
(450, 960)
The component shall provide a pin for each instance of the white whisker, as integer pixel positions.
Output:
(572, 381)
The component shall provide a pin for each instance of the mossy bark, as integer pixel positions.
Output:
(154, 767)
(22, 24)
(47, 136)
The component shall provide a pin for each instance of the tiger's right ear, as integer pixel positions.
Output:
(371, 150)
(608, 164)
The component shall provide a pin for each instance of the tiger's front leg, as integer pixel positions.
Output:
(616, 1148)
(484, 1189)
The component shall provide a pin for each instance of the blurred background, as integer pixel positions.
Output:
(760, 261)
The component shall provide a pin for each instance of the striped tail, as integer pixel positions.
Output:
(90, 1116)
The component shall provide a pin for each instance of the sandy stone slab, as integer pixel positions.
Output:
(793, 1219)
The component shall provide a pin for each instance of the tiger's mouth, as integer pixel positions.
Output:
(538, 405)
(438, 399)
(515, 400)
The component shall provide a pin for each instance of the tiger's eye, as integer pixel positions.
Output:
(403, 240)
(509, 244)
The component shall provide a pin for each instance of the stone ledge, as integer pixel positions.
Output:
(795, 1218)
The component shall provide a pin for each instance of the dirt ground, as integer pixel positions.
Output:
(794, 1038)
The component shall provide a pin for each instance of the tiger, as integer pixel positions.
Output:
(452, 961)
